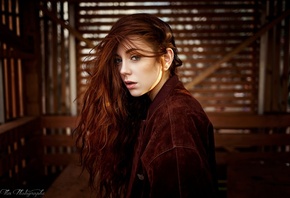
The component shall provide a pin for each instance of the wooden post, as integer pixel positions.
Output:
(32, 82)
(2, 97)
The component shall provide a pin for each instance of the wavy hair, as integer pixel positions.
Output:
(110, 117)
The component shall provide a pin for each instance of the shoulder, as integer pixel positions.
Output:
(179, 102)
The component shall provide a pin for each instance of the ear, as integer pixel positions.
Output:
(168, 58)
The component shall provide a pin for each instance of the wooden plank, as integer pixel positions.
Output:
(284, 83)
(210, 7)
(85, 24)
(59, 121)
(176, 31)
(67, 26)
(239, 48)
(219, 120)
(54, 96)
(70, 183)
(63, 63)
(47, 59)
(243, 2)
(57, 140)
(9, 37)
(224, 97)
(17, 123)
(9, 161)
(224, 91)
(208, 14)
(59, 159)
(233, 120)
(259, 178)
(224, 158)
(239, 140)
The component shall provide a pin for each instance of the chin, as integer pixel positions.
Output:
(136, 94)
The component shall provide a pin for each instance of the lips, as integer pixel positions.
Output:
(130, 84)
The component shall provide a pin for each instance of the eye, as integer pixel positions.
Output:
(117, 61)
(135, 58)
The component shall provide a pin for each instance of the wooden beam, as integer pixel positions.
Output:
(11, 39)
(239, 121)
(219, 120)
(17, 124)
(2, 96)
(15, 53)
(235, 51)
(59, 121)
(72, 30)
(244, 140)
(58, 140)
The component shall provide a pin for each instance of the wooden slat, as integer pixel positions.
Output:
(224, 90)
(54, 97)
(208, 14)
(249, 121)
(219, 33)
(59, 121)
(240, 47)
(84, 25)
(18, 148)
(222, 120)
(259, 178)
(241, 140)
(59, 159)
(13, 40)
(194, 5)
(57, 140)
(226, 158)
(17, 123)
(67, 26)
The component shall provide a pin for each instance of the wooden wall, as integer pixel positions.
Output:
(205, 32)
(232, 63)
(20, 60)
(236, 63)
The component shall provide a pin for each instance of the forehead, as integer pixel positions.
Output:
(134, 43)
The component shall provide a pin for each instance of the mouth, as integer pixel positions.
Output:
(130, 84)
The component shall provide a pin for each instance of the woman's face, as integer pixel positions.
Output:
(139, 73)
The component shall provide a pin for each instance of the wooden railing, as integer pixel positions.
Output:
(58, 140)
(20, 159)
(47, 143)
(251, 136)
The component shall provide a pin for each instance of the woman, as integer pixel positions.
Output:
(141, 133)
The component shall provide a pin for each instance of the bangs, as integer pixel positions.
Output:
(137, 45)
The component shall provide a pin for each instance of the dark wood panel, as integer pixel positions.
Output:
(233, 120)
(242, 140)
(58, 121)
(57, 140)
(59, 159)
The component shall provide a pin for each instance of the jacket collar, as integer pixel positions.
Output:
(163, 93)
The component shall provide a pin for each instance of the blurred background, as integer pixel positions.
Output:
(236, 57)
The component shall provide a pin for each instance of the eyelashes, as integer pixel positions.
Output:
(135, 57)
(118, 60)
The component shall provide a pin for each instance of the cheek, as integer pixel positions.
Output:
(152, 76)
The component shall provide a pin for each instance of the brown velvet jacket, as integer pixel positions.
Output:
(174, 155)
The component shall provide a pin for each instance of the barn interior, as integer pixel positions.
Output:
(236, 63)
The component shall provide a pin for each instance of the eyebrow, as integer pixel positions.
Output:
(132, 50)
(129, 51)
(138, 51)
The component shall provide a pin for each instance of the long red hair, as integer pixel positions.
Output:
(110, 116)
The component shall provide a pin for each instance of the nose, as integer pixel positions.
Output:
(124, 68)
